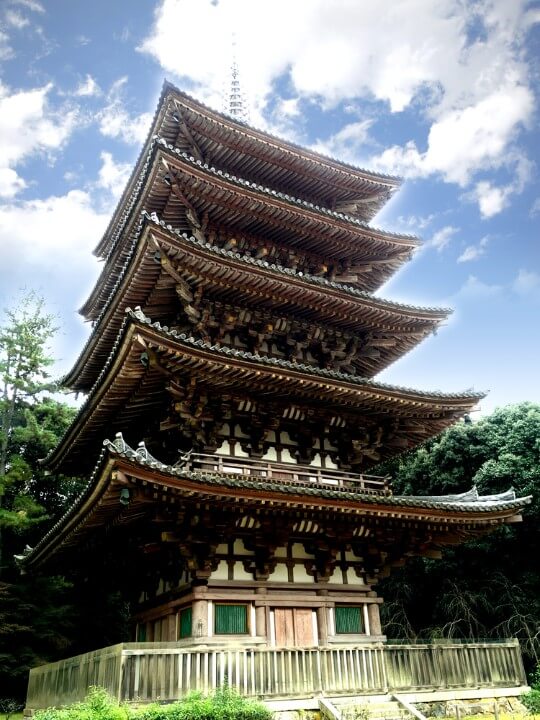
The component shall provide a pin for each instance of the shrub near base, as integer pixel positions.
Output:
(224, 704)
(98, 705)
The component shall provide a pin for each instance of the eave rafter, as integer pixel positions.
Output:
(280, 210)
(276, 161)
(385, 529)
(130, 387)
(186, 132)
(304, 225)
(197, 267)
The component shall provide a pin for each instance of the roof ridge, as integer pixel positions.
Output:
(169, 86)
(272, 267)
(314, 279)
(262, 189)
(141, 317)
(120, 448)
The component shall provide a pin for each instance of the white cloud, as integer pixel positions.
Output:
(464, 141)
(10, 183)
(526, 282)
(16, 20)
(460, 62)
(28, 126)
(535, 208)
(56, 232)
(346, 142)
(475, 288)
(442, 237)
(473, 252)
(113, 176)
(6, 51)
(289, 107)
(451, 52)
(32, 5)
(88, 87)
(116, 122)
(333, 51)
(491, 199)
(415, 223)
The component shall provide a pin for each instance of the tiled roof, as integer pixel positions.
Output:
(168, 87)
(138, 316)
(353, 292)
(312, 279)
(466, 503)
(304, 204)
(370, 387)
(157, 141)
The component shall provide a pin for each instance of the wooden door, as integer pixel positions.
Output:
(294, 627)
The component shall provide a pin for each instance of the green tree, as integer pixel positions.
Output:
(24, 377)
(489, 586)
(36, 614)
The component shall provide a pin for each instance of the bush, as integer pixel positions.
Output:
(98, 705)
(224, 704)
(531, 700)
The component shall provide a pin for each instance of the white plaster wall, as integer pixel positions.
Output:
(240, 573)
(239, 549)
(299, 553)
(336, 578)
(353, 579)
(222, 571)
(270, 455)
(280, 574)
(300, 575)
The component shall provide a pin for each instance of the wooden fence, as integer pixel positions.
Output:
(143, 672)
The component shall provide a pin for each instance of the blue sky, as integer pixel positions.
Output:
(442, 92)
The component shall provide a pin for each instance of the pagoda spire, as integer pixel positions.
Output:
(235, 103)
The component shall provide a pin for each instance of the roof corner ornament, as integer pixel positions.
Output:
(119, 443)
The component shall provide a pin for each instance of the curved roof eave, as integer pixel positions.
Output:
(467, 504)
(134, 319)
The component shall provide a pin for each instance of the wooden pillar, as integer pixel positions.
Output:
(374, 619)
(171, 627)
(200, 618)
(260, 617)
(322, 625)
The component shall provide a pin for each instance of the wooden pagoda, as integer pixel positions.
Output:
(231, 416)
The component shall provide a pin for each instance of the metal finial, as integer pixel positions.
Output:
(235, 103)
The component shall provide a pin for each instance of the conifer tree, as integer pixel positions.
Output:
(24, 362)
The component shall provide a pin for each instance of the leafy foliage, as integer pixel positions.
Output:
(224, 704)
(35, 618)
(531, 700)
(489, 587)
(98, 705)
(9, 706)
(24, 360)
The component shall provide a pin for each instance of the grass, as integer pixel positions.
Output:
(13, 716)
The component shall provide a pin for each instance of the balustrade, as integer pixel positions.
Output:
(305, 475)
(144, 672)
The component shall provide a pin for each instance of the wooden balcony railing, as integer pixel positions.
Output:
(144, 672)
(304, 475)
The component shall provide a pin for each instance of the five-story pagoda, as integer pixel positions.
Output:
(231, 412)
